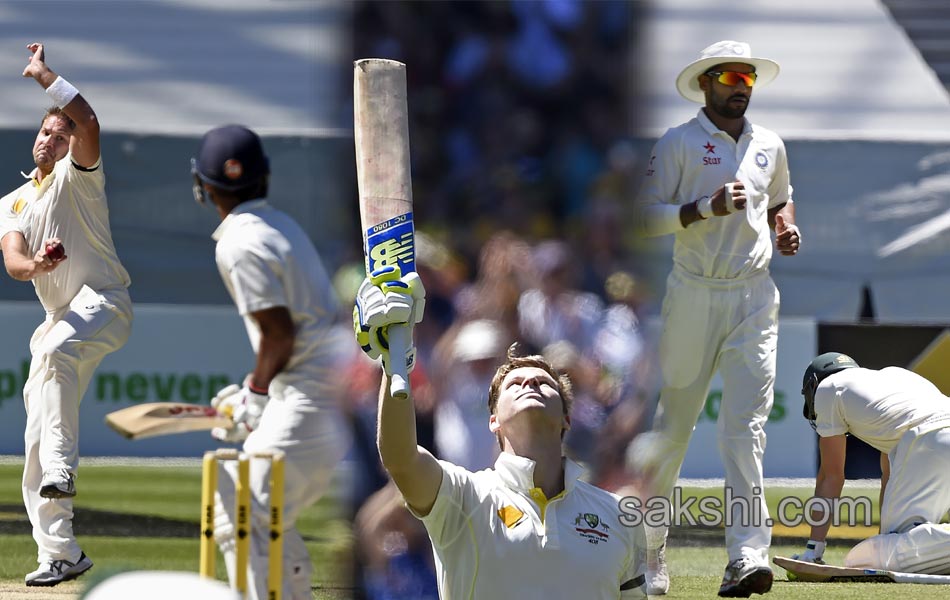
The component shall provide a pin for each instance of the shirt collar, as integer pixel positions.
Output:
(517, 472)
(712, 129)
(240, 209)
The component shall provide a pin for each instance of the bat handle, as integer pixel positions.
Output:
(398, 345)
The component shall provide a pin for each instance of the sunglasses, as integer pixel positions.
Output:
(732, 78)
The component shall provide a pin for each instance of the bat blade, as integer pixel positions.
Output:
(811, 572)
(164, 418)
(381, 134)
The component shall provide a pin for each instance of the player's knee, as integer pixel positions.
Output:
(876, 552)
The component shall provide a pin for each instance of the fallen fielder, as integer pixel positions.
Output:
(908, 419)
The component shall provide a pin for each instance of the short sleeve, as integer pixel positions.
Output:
(9, 220)
(254, 277)
(450, 511)
(656, 210)
(830, 421)
(780, 188)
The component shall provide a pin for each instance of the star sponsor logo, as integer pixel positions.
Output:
(711, 160)
(592, 528)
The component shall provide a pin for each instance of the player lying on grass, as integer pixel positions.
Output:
(528, 527)
(905, 417)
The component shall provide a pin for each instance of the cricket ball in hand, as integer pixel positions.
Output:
(55, 252)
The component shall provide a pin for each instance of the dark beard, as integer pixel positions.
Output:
(724, 109)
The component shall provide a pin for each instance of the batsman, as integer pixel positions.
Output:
(288, 402)
(907, 419)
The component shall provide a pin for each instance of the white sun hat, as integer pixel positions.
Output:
(726, 51)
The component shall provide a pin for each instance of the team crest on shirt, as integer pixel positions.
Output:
(761, 159)
(591, 527)
(19, 205)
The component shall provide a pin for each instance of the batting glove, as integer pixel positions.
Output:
(245, 408)
(387, 298)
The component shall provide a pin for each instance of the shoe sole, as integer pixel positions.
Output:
(758, 581)
(69, 577)
(53, 493)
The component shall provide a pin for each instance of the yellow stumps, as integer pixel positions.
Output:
(275, 551)
(209, 483)
(242, 518)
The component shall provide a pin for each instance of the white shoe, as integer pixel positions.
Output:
(658, 575)
(744, 577)
(57, 483)
(56, 571)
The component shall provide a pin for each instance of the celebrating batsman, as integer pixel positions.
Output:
(906, 417)
(719, 183)
(55, 233)
(529, 527)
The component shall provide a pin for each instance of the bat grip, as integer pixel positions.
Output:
(398, 345)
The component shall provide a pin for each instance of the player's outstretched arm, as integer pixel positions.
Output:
(413, 469)
(830, 479)
(885, 476)
(84, 144)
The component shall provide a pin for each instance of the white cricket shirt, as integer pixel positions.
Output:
(691, 162)
(495, 535)
(878, 406)
(266, 260)
(69, 204)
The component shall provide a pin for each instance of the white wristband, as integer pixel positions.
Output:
(62, 92)
(704, 207)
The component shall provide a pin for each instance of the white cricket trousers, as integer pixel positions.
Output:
(314, 438)
(66, 349)
(916, 499)
(730, 326)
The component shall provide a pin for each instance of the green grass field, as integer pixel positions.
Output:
(145, 517)
(697, 558)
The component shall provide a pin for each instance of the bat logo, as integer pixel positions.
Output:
(393, 252)
(391, 243)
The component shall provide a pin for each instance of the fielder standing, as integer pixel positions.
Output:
(527, 528)
(719, 183)
(288, 402)
(906, 417)
(83, 289)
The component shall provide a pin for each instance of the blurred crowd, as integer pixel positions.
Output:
(522, 172)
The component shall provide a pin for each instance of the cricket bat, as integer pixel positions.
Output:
(811, 572)
(163, 418)
(381, 133)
